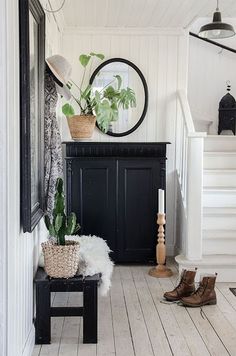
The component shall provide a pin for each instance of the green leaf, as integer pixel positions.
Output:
(71, 224)
(59, 185)
(58, 222)
(61, 239)
(119, 80)
(68, 110)
(98, 55)
(110, 93)
(97, 97)
(77, 228)
(86, 93)
(115, 111)
(52, 231)
(127, 98)
(105, 113)
(84, 59)
(49, 226)
(59, 205)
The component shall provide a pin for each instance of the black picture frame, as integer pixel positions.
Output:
(145, 87)
(31, 169)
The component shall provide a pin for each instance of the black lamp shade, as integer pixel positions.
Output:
(216, 29)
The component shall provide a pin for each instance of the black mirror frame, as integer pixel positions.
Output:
(145, 93)
(30, 217)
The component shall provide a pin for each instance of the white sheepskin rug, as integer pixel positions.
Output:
(94, 258)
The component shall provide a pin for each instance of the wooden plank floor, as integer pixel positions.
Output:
(134, 322)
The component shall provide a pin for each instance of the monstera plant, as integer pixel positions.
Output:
(103, 105)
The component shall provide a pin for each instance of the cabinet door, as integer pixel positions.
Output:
(91, 192)
(137, 206)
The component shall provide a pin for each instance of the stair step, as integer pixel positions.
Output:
(219, 211)
(218, 241)
(219, 221)
(225, 142)
(219, 177)
(217, 247)
(223, 264)
(219, 234)
(219, 160)
(219, 197)
(219, 230)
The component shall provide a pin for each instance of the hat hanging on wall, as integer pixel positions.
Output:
(61, 69)
(216, 29)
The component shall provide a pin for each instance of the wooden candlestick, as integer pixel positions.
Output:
(161, 271)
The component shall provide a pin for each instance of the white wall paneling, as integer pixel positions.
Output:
(19, 252)
(54, 27)
(189, 176)
(209, 69)
(3, 180)
(160, 55)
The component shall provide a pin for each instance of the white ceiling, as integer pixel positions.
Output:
(140, 13)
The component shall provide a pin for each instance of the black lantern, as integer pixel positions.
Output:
(227, 112)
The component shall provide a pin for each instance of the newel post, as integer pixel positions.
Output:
(194, 197)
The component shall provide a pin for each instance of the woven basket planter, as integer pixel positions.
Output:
(81, 126)
(61, 261)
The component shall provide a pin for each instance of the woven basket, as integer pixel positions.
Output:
(81, 126)
(61, 261)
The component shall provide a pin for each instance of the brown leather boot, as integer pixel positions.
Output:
(185, 287)
(205, 294)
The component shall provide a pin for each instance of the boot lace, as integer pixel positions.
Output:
(175, 289)
(181, 281)
(200, 290)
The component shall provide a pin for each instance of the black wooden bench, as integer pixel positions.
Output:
(45, 285)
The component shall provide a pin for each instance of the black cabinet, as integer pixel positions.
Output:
(91, 194)
(113, 189)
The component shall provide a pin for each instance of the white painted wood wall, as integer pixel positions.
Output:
(209, 69)
(189, 180)
(18, 252)
(162, 57)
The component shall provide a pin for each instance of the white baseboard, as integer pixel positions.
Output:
(30, 342)
(223, 265)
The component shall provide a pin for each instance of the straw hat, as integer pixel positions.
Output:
(61, 68)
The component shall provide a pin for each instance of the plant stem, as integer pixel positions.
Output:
(76, 86)
(83, 78)
(78, 102)
(91, 61)
(106, 86)
(91, 104)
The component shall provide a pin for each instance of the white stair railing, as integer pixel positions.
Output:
(189, 168)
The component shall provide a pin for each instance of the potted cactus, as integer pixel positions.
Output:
(60, 255)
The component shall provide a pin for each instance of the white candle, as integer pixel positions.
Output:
(161, 201)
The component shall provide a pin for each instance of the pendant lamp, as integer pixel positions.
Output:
(216, 29)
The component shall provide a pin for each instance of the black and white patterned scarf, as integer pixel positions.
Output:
(52, 143)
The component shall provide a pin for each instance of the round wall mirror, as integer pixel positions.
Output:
(131, 77)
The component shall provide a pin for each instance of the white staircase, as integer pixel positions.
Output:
(219, 196)
(213, 247)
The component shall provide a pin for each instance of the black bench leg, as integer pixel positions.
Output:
(90, 313)
(43, 319)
